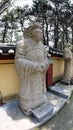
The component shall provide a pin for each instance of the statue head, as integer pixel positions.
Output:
(34, 31)
(67, 51)
(68, 45)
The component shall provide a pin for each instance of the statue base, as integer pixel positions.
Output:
(27, 113)
(43, 111)
(67, 83)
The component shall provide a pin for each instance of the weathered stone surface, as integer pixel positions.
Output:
(31, 64)
(63, 91)
(43, 111)
(58, 92)
(68, 69)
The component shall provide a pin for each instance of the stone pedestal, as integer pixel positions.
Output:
(43, 111)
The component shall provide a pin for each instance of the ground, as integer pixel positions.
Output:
(12, 118)
(63, 120)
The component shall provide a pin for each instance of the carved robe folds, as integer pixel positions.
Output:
(68, 68)
(31, 64)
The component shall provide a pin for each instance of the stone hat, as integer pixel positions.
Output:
(68, 45)
(28, 30)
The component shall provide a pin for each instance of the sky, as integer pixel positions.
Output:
(24, 2)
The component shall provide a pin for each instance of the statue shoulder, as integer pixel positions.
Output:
(20, 43)
(67, 50)
(67, 53)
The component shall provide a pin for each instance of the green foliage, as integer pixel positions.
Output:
(56, 17)
(4, 4)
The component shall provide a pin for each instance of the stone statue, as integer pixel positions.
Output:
(68, 68)
(31, 64)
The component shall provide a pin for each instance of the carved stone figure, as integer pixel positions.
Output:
(31, 64)
(68, 68)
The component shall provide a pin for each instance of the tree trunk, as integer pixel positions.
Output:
(72, 35)
(56, 32)
(55, 35)
(43, 33)
(5, 32)
(47, 40)
(66, 35)
(63, 37)
(11, 36)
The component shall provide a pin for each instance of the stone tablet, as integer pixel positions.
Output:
(59, 91)
(43, 111)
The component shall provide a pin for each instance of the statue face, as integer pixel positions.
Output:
(37, 34)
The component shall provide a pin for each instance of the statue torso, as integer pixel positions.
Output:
(32, 51)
